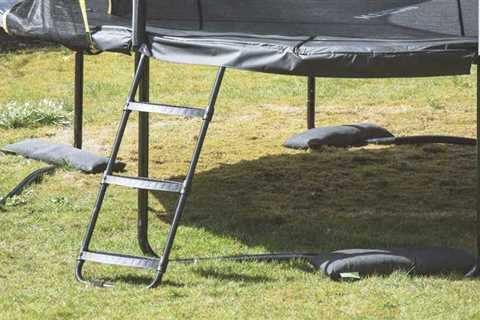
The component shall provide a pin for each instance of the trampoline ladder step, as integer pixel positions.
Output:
(166, 109)
(120, 259)
(157, 262)
(144, 183)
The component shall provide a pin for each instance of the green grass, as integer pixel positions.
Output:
(250, 195)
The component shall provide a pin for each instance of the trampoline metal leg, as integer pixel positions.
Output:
(143, 158)
(78, 102)
(477, 194)
(475, 272)
(311, 102)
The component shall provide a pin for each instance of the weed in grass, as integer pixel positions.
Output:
(435, 103)
(33, 114)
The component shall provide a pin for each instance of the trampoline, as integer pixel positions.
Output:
(325, 38)
(313, 38)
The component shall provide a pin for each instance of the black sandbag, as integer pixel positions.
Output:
(61, 154)
(365, 262)
(362, 261)
(431, 261)
(337, 136)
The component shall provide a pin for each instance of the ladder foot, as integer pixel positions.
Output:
(78, 272)
(80, 278)
(156, 281)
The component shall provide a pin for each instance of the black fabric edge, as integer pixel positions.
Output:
(427, 59)
(264, 57)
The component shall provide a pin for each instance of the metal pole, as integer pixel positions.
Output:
(200, 14)
(477, 194)
(311, 102)
(138, 38)
(78, 103)
(460, 18)
(143, 159)
(138, 23)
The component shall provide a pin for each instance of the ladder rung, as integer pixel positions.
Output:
(166, 109)
(145, 184)
(120, 259)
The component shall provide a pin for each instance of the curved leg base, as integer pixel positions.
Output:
(475, 272)
(143, 241)
(156, 281)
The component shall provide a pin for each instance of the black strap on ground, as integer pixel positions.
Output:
(33, 177)
(266, 257)
(423, 139)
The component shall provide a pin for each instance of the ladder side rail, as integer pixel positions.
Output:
(101, 193)
(189, 178)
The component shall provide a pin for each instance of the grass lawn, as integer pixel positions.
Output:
(250, 195)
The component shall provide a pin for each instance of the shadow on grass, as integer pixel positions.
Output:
(135, 280)
(314, 202)
(228, 276)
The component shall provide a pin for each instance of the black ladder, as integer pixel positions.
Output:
(159, 264)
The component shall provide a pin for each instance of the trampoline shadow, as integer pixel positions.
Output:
(404, 196)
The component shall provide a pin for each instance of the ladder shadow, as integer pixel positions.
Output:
(138, 280)
(314, 202)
